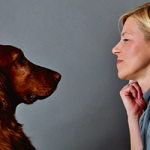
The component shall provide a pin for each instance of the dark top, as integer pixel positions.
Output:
(144, 122)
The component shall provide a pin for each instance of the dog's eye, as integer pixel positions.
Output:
(20, 59)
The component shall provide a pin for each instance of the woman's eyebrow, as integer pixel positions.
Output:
(123, 33)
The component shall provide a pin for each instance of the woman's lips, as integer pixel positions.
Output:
(119, 61)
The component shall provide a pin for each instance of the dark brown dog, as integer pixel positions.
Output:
(20, 81)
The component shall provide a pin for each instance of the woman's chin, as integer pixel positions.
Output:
(123, 76)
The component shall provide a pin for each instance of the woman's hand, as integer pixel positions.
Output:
(134, 103)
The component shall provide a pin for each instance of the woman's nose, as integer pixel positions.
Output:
(116, 50)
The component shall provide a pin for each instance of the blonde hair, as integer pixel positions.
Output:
(142, 14)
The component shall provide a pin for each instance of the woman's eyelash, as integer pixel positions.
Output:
(125, 40)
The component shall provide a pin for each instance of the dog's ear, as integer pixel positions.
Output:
(4, 99)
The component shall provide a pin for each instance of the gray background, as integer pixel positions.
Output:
(75, 38)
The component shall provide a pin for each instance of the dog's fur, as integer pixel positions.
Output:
(20, 81)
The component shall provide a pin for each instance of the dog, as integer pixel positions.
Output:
(21, 81)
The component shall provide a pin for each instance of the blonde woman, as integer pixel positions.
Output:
(133, 64)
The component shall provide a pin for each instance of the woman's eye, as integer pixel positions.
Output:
(125, 40)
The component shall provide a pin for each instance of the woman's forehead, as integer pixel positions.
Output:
(131, 27)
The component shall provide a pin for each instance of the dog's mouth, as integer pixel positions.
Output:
(31, 98)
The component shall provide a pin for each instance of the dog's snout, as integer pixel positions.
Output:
(57, 76)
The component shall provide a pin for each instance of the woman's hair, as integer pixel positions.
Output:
(142, 14)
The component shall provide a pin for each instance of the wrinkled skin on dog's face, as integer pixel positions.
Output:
(26, 80)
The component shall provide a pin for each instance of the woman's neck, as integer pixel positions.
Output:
(144, 84)
(143, 78)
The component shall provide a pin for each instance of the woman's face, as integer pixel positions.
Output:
(133, 51)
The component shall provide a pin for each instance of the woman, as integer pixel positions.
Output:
(133, 64)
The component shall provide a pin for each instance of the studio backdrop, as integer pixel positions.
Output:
(75, 38)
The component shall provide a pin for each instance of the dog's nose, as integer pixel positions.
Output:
(57, 76)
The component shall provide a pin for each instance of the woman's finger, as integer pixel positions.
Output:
(138, 88)
(129, 91)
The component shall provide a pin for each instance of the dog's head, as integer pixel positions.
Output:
(26, 82)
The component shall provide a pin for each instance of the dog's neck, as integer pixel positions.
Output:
(11, 134)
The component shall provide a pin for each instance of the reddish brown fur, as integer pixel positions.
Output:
(20, 81)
